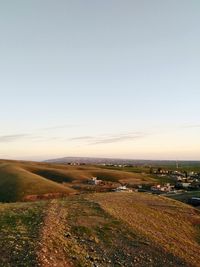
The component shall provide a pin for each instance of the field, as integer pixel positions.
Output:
(19, 233)
(172, 225)
(54, 221)
(144, 167)
(98, 229)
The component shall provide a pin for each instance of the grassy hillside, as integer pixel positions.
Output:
(65, 173)
(171, 225)
(32, 180)
(77, 231)
(19, 233)
(98, 229)
(18, 184)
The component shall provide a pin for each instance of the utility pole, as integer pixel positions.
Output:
(177, 164)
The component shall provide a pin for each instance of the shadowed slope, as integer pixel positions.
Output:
(20, 180)
(60, 175)
(71, 174)
(17, 184)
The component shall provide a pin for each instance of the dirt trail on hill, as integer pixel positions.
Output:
(78, 232)
(51, 251)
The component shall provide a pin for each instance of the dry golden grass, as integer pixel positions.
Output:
(32, 180)
(17, 184)
(21, 180)
(124, 230)
(82, 173)
(170, 224)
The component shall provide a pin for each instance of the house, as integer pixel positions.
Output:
(162, 188)
(122, 189)
(94, 181)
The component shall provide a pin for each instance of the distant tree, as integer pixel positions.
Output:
(151, 170)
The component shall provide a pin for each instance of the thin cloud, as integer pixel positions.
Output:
(191, 126)
(117, 139)
(12, 138)
(89, 140)
(59, 127)
(82, 138)
(43, 138)
(108, 139)
(17, 137)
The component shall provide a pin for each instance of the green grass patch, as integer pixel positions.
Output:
(185, 196)
(19, 233)
(164, 179)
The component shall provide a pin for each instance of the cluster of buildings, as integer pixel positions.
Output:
(182, 180)
(96, 181)
(166, 188)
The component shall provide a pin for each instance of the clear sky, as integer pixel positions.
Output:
(106, 78)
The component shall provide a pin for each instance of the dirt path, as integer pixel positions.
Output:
(79, 232)
(51, 250)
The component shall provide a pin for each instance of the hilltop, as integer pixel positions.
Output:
(104, 229)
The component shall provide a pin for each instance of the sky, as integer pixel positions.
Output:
(105, 78)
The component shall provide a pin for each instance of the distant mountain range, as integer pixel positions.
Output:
(138, 162)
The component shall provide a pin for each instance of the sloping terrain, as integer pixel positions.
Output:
(19, 233)
(92, 237)
(32, 180)
(76, 231)
(171, 225)
(98, 229)
(66, 173)
(18, 184)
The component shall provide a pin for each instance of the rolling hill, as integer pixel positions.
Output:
(69, 228)
(169, 224)
(103, 229)
(21, 180)
(16, 183)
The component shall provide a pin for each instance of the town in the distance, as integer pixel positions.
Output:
(175, 179)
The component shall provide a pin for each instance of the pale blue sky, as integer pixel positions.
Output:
(100, 78)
